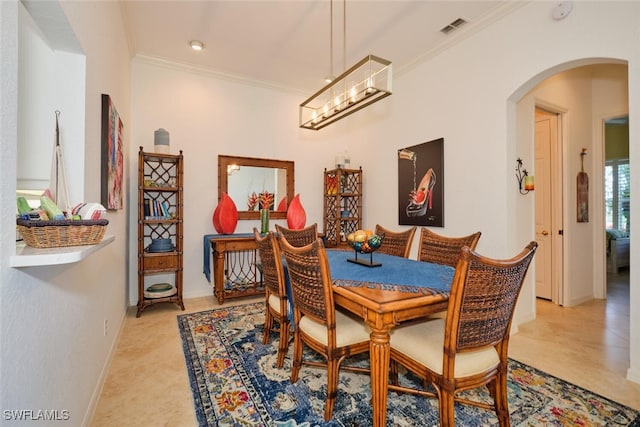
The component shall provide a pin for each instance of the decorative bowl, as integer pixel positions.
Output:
(370, 244)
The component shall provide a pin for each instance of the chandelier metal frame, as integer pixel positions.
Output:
(368, 81)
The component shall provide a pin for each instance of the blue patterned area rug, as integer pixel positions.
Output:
(235, 383)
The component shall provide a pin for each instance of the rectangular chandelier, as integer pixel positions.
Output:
(365, 83)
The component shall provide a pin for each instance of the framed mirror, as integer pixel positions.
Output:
(243, 178)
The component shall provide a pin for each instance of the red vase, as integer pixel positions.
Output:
(296, 216)
(282, 206)
(225, 216)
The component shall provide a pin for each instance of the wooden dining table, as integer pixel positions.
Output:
(399, 290)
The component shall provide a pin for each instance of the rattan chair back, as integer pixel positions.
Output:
(483, 299)
(276, 299)
(310, 280)
(301, 237)
(445, 250)
(396, 243)
(271, 262)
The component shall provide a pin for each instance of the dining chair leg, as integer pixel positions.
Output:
(297, 356)
(500, 400)
(447, 414)
(333, 367)
(268, 325)
(284, 343)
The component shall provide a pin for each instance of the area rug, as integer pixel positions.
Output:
(234, 382)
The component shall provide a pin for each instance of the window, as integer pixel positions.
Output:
(616, 194)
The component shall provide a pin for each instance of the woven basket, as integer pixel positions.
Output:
(55, 234)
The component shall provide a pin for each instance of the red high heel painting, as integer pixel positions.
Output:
(421, 198)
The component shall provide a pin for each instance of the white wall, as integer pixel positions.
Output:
(207, 116)
(53, 353)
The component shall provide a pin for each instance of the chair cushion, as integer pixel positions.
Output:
(274, 303)
(348, 330)
(424, 342)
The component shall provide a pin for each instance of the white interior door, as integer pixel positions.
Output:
(545, 140)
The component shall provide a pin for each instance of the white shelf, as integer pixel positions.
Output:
(27, 256)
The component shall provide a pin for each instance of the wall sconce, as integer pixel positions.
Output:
(525, 181)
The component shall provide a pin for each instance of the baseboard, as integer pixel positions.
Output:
(97, 392)
(633, 375)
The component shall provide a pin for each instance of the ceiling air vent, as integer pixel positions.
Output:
(454, 25)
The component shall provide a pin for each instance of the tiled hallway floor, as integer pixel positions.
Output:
(587, 345)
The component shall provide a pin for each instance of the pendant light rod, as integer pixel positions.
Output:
(331, 76)
(366, 82)
(344, 35)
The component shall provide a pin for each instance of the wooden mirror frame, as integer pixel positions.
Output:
(224, 161)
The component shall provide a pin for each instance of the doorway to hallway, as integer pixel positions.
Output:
(548, 205)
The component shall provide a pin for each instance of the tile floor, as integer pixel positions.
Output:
(147, 383)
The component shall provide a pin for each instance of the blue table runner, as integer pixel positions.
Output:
(396, 273)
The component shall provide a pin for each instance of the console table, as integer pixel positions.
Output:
(235, 265)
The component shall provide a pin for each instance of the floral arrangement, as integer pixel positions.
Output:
(266, 200)
(252, 202)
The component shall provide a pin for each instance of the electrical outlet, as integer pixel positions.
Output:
(106, 325)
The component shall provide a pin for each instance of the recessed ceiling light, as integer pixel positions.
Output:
(196, 45)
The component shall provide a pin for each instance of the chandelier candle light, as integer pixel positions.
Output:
(366, 82)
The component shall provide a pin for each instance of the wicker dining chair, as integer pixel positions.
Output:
(396, 243)
(276, 300)
(469, 348)
(318, 324)
(445, 250)
(301, 237)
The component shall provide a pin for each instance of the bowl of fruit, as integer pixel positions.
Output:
(364, 242)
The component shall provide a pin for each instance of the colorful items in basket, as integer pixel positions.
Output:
(160, 245)
(89, 211)
(364, 241)
(55, 234)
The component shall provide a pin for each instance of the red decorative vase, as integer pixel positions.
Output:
(282, 206)
(225, 216)
(296, 216)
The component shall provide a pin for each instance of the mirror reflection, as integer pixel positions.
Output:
(254, 182)
(257, 187)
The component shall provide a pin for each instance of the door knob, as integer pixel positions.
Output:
(545, 233)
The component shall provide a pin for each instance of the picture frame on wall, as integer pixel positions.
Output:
(111, 156)
(421, 184)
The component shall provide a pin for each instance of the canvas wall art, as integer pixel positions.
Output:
(112, 155)
(421, 184)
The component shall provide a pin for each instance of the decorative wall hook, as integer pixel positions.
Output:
(525, 181)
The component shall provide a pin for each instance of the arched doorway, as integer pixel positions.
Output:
(585, 94)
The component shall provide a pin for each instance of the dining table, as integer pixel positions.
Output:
(384, 296)
(398, 290)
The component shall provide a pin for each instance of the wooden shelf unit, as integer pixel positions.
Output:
(160, 183)
(342, 212)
